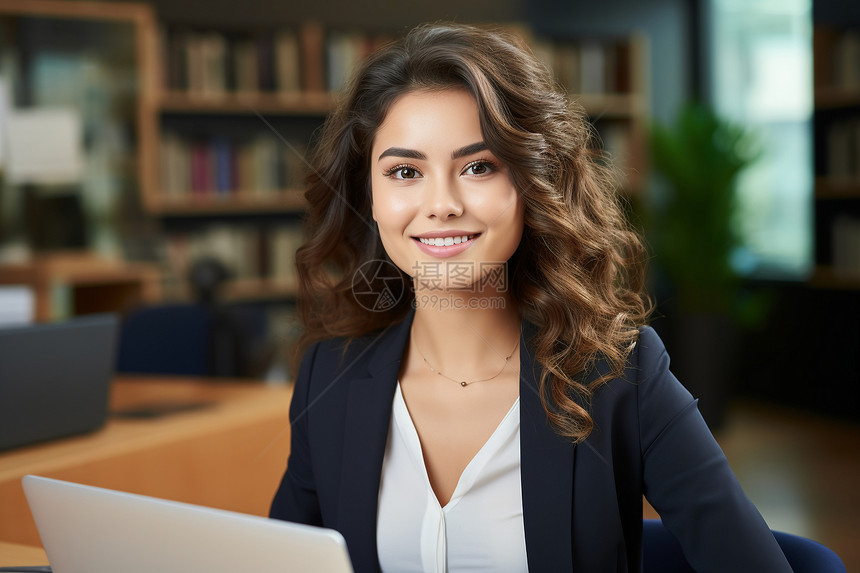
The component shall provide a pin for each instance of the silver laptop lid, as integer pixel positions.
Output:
(86, 529)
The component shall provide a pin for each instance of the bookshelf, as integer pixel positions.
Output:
(228, 153)
(235, 111)
(93, 61)
(222, 119)
(837, 156)
(264, 91)
(136, 18)
(606, 76)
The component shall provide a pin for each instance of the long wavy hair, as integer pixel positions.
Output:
(578, 273)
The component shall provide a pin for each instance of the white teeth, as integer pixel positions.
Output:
(446, 241)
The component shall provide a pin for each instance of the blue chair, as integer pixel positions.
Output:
(166, 339)
(194, 340)
(662, 552)
(202, 338)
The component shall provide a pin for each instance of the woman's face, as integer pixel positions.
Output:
(447, 210)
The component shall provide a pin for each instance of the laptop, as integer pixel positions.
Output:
(87, 529)
(55, 378)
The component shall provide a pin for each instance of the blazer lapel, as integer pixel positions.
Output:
(546, 459)
(546, 474)
(366, 426)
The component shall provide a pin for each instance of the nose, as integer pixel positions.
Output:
(442, 200)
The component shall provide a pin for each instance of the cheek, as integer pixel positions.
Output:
(502, 208)
(392, 211)
(513, 220)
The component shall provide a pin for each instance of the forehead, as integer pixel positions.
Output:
(446, 116)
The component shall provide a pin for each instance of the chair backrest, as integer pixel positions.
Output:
(805, 555)
(166, 339)
(662, 553)
(193, 339)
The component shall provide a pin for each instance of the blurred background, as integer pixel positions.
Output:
(151, 156)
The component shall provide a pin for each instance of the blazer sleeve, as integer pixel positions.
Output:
(687, 478)
(296, 498)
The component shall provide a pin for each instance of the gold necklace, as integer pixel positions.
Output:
(464, 383)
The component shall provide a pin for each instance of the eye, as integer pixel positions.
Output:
(479, 167)
(402, 172)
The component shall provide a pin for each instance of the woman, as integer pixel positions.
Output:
(479, 391)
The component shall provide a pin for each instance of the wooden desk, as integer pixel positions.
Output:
(13, 554)
(229, 455)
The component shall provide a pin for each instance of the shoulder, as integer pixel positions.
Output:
(648, 391)
(649, 365)
(650, 343)
(646, 361)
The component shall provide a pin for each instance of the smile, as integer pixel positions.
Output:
(446, 241)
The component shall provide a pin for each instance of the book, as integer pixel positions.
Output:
(246, 67)
(847, 60)
(841, 158)
(264, 43)
(201, 169)
(566, 66)
(222, 152)
(846, 244)
(213, 77)
(312, 49)
(287, 62)
(592, 65)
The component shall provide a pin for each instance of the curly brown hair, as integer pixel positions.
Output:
(578, 273)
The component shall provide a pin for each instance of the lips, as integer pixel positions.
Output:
(445, 243)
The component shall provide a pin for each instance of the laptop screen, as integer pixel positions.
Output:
(55, 378)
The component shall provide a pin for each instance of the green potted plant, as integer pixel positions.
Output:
(693, 235)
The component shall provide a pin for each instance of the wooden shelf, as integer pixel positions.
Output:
(835, 97)
(828, 277)
(837, 188)
(611, 106)
(241, 202)
(89, 10)
(242, 290)
(95, 284)
(260, 289)
(313, 104)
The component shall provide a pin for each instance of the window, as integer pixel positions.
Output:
(760, 64)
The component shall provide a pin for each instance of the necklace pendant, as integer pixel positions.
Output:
(463, 384)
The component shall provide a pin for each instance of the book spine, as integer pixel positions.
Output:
(313, 60)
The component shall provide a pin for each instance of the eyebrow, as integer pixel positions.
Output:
(469, 150)
(402, 152)
(415, 154)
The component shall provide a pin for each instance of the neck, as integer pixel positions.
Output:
(464, 336)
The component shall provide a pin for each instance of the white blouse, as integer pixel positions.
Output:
(480, 528)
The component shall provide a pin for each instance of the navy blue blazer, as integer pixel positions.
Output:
(582, 505)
